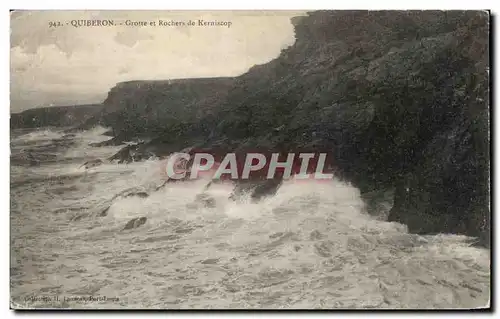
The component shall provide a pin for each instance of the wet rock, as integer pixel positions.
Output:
(135, 223)
(323, 249)
(104, 212)
(79, 217)
(186, 230)
(161, 186)
(92, 163)
(138, 194)
(70, 135)
(447, 191)
(125, 155)
(267, 188)
(64, 189)
(257, 189)
(27, 157)
(210, 261)
(66, 210)
(276, 235)
(58, 116)
(144, 150)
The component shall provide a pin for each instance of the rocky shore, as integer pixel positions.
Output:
(401, 98)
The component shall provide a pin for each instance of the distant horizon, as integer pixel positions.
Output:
(57, 106)
(129, 81)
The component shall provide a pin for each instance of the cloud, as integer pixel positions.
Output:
(79, 65)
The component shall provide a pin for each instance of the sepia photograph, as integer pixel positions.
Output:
(250, 160)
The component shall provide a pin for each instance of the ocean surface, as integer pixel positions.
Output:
(312, 245)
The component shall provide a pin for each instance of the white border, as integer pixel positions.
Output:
(190, 5)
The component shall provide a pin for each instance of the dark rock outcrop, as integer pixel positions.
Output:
(163, 108)
(448, 189)
(135, 223)
(257, 189)
(130, 192)
(92, 163)
(205, 200)
(115, 141)
(400, 97)
(144, 150)
(58, 116)
(104, 212)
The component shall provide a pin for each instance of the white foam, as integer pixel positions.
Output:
(41, 134)
(310, 245)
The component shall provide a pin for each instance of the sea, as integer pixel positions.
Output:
(312, 245)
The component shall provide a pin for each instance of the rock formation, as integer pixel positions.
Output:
(135, 223)
(58, 116)
(399, 97)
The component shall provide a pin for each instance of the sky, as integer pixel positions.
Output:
(65, 65)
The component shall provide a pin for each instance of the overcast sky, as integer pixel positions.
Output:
(68, 65)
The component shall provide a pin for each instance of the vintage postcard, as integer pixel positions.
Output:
(250, 160)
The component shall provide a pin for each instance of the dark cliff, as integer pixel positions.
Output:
(401, 99)
(151, 108)
(58, 116)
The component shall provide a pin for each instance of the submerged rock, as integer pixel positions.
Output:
(104, 212)
(125, 155)
(135, 223)
(133, 191)
(156, 148)
(130, 192)
(69, 135)
(408, 111)
(257, 189)
(210, 261)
